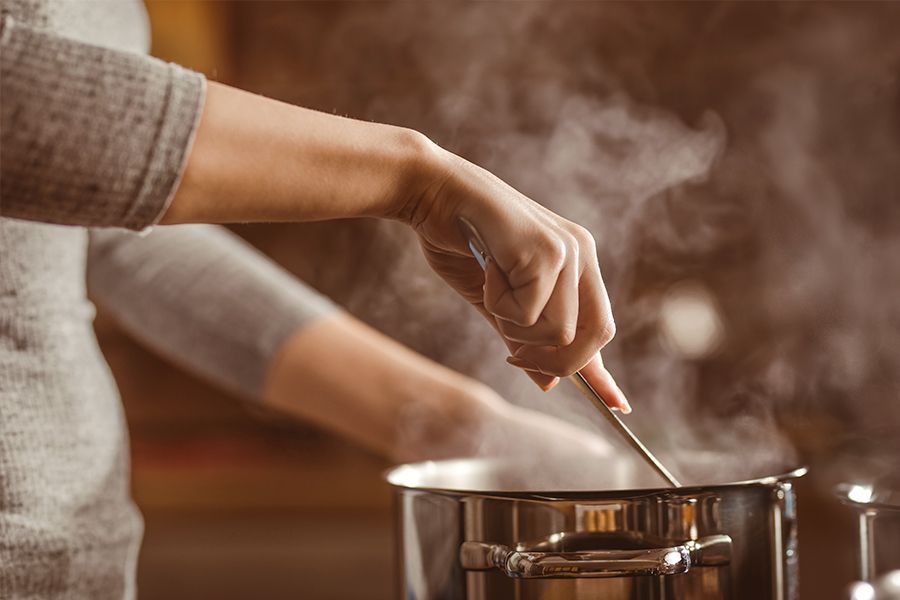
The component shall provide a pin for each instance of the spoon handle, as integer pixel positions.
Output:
(588, 392)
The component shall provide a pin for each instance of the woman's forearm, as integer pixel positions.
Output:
(346, 377)
(353, 381)
(257, 159)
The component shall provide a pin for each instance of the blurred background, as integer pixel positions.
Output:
(736, 162)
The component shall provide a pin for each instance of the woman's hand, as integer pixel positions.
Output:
(256, 159)
(541, 287)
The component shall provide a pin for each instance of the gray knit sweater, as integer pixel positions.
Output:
(94, 138)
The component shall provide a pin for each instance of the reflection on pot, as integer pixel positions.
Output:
(724, 542)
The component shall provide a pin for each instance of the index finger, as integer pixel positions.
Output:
(603, 383)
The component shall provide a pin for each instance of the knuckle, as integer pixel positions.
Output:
(585, 241)
(564, 336)
(571, 245)
(606, 332)
(530, 316)
(585, 238)
(554, 250)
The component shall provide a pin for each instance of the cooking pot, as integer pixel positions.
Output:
(475, 529)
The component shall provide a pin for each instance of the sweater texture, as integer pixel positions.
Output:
(94, 136)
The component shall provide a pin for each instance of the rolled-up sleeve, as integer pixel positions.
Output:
(203, 297)
(89, 135)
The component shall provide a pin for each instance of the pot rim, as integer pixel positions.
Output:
(393, 475)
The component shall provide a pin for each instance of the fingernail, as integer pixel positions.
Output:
(550, 385)
(624, 406)
(522, 363)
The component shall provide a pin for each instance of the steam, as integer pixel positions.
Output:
(785, 230)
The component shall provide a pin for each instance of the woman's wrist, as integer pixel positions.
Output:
(423, 168)
(258, 159)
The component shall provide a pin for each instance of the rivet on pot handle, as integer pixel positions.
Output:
(714, 550)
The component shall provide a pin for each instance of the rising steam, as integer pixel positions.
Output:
(699, 156)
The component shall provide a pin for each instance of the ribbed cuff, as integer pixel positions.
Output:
(90, 135)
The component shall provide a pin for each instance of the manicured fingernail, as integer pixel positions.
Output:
(624, 406)
(522, 363)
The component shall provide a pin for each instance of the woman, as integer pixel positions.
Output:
(97, 139)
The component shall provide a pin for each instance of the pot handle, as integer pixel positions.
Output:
(714, 550)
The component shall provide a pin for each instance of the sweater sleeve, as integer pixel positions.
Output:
(202, 297)
(89, 135)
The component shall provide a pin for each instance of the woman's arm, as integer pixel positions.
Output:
(89, 135)
(350, 379)
(97, 137)
(211, 303)
(256, 159)
(208, 301)
(203, 298)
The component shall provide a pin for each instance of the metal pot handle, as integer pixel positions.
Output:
(714, 550)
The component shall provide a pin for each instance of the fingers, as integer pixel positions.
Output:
(595, 329)
(520, 295)
(568, 330)
(545, 382)
(558, 323)
(458, 270)
(603, 383)
(544, 294)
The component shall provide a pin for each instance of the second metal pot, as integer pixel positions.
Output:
(877, 507)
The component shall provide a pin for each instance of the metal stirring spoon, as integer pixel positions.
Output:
(480, 253)
(588, 392)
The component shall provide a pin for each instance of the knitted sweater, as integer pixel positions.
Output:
(94, 138)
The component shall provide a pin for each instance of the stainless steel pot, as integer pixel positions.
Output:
(473, 529)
